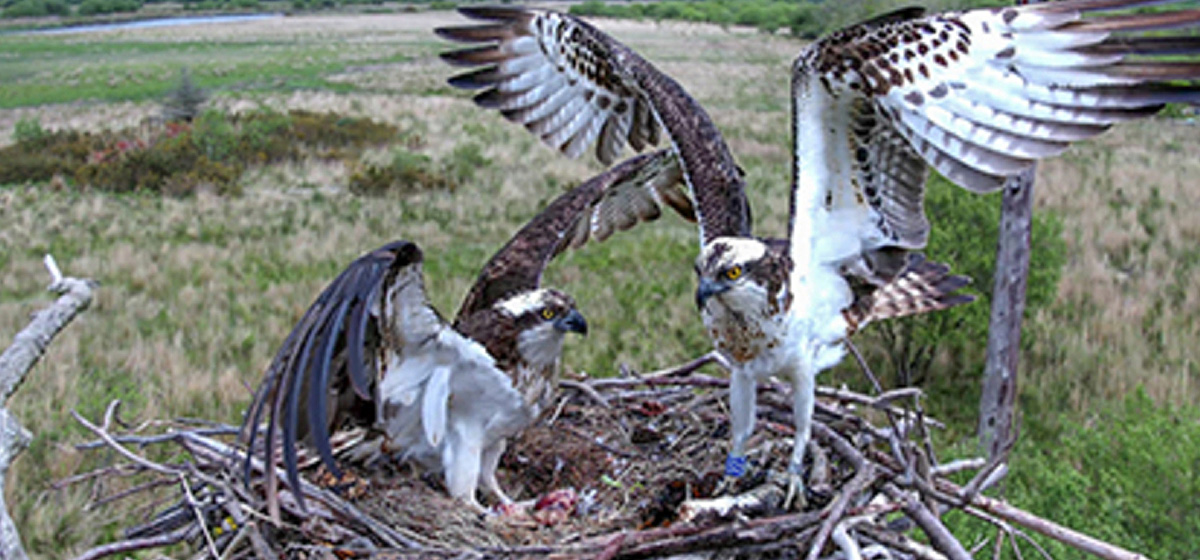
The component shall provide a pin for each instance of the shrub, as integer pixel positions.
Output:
(175, 166)
(97, 7)
(322, 130)
(265, 136)
(407, 172)
(213, 150)
(37, 8)
(40, 155)
(29, 130)
(964, 233)
(464, 161)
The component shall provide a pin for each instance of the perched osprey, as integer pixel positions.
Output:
(372, 352)
(980, 95)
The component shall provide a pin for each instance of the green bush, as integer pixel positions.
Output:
(464, 161)
(97, 7)
(215, 136)
(265, 136)
(325, 130)
(767, 15)
(29, 130)
(211, 152)
(407, 172)
(1128, 474)
(175, 166)
(37, 8)
(39, 155)
(944, 351)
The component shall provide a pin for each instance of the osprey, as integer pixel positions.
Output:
(980, 95)
(372, 352)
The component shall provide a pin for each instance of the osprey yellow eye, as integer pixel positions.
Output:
(547, 314)
(734, 273)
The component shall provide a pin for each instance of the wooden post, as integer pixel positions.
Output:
(27, 348)
(997, 406)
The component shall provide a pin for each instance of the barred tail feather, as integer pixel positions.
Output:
(924, 286)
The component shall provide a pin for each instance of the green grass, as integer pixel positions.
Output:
(197, 293)
(40, 70)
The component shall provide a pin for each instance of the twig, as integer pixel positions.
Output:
(130, 492)
(1008, 528)
(862, 365)
(586, 389)
(195, 507)
(103, 434)
(130, 545)
(938, 534)
(842, 539)
(864, 477)
(1065, 535)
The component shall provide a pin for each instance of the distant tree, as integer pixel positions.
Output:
(183, 103)
(98, 7)
(37, 8)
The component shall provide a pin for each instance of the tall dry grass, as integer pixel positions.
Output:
(198, 293)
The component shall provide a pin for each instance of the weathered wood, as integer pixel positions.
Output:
(1070, 537)
(27, 348)
(997, 403)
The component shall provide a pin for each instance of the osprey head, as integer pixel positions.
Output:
(729, 269)
(543, 318)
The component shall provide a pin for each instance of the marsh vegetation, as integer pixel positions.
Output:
(200, 285)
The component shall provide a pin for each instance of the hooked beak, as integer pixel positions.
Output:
(573, 321)
(708, 288)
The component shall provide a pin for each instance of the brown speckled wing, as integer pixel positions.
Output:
(326, 366)
(553, 74)
(571, 84)
(982, 94)
(625, 195)
(922, 286)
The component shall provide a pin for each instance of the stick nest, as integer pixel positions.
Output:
(621, 468)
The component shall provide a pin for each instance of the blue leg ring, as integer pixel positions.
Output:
(735, 466)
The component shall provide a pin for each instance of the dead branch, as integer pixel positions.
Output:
(1045, 527)
(130, 545)
(18, 359)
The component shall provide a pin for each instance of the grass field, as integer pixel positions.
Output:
(197, 293)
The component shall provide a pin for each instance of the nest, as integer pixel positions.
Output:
(621, 468)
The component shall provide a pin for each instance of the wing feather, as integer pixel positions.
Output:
(591, 89)
(562, 55)
(619, 198)
(435, 404)
(980, 95)
(325, 356)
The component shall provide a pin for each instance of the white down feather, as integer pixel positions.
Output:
(445, 396)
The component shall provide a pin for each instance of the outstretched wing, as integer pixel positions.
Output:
(573, 85)
(921, 287)
(328, 364)
(979, 95)
(618, 199)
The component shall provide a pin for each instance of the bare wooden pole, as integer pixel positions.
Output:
(997, 410)
(27, 348)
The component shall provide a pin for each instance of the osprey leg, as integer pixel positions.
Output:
(742, 404)
(487, 474)
(461, 457)
(804, 388)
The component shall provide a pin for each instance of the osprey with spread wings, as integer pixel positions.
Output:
(980, 95)
(371, 351)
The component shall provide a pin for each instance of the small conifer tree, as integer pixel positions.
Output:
(183, 103)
